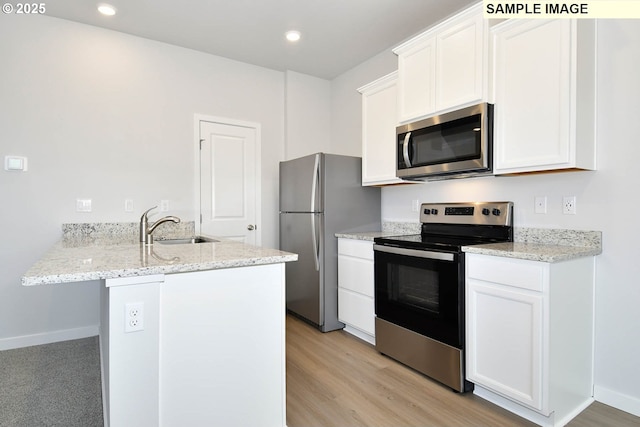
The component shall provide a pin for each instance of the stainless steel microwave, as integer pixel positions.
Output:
(451, 145)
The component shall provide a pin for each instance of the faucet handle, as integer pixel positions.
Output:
(144, 215)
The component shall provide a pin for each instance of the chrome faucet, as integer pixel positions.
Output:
(145, 231)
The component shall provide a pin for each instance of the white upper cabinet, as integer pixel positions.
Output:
(379, 122)
(444, 67)
(544, 94)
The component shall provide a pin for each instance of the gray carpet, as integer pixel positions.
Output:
(51, 385)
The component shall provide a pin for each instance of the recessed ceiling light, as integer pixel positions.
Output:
(292, 36)
(106, 9)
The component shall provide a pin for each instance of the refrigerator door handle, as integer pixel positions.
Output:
(314, 230)
(314, 183)
(315, 241)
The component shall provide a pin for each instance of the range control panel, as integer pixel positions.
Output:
(485, 213)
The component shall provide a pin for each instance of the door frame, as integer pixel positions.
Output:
(258, 175)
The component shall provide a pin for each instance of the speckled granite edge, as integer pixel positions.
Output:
(534, 251)
(167, 230)
(562, 237)
(545, 245)
(368, 236)
(400, 228)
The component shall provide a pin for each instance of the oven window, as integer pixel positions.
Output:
(449, 142)
(423, 295)
(454, 141)
(414, 287)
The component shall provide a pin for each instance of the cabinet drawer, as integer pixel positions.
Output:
(355, 274)
(356, 310)
(356, 248)
(507, 271)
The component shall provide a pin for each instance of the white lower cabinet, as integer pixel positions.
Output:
(529, 342)
(355, 288)
(211, 351)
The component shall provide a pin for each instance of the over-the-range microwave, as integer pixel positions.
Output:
(451, 145)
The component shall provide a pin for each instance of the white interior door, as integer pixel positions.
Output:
(229, 181)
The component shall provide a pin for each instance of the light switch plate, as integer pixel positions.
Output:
(540, 204)
(83, 205)
(15, 163)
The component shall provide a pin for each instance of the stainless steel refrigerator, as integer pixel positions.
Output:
(321, 195)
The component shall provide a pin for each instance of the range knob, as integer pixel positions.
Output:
(496, 212)
(427, 211)
(434, 211)
(485, 211)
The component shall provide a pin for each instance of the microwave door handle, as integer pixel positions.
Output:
(405, 149)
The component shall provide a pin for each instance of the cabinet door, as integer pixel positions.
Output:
(356, 310)
(533, 94)
(416, 80)
(460, 63)
(505, 341)
(379, 120)
(355, 284)
(444, 67)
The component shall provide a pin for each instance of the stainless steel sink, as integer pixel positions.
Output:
(186, 241)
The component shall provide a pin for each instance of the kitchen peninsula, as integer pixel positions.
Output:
(190, 334)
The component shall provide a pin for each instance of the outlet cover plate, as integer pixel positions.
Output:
(134, 317)
(569, 205)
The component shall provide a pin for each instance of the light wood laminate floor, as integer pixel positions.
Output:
(337, 380)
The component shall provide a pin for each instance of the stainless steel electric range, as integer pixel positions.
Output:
(420, 286)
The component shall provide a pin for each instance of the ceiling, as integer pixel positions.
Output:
(337, 35)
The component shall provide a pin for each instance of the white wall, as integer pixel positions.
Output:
(308, 115)
(107, 116)
(606, 201)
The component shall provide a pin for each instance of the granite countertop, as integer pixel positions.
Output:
(85, 257)
(389, 229)
(366, 235)
(535, 244)
(533, 251)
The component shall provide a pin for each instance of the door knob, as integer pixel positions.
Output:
(251, 227)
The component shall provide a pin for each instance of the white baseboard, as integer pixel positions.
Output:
(530, 414)
(618, 400)
(513, 407)
(360, 334)
(48, 337)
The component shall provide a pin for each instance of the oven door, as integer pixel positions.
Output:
(422, 291)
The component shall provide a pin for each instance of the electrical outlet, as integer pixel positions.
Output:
(164, 205)
(569, 205)
(540, 204)
(134, 317)
(415, 205)
(128, 205)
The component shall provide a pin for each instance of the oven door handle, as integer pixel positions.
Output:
(443, 256)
